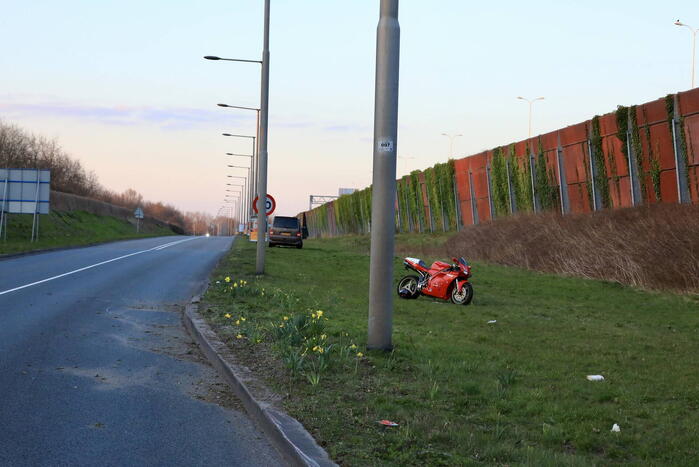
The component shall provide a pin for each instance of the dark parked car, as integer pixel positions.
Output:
(286, 231)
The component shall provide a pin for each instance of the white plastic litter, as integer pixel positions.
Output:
(492, 321)
(595, 378)
(615, 428)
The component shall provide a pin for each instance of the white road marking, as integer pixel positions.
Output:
(157, 248)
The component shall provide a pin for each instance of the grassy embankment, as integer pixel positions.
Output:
(60, 229)
(465, 391)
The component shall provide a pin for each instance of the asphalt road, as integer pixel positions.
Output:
(96, 368)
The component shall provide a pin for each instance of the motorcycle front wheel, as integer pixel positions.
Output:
(410, 284)
(463, 298)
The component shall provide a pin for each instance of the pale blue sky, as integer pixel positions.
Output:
(123, 87)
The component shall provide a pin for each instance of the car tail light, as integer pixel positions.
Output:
(298, 234)
(271, 232)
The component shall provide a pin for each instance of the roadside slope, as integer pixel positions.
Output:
(72, 228)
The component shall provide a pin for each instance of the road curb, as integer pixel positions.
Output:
(285, 433)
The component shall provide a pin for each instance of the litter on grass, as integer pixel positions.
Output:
(615, 428)
(492, 321)
(595, 378)
(387, 423)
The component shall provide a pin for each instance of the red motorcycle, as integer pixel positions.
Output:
(441, 280)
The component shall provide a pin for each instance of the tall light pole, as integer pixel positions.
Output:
(253, 170)
(262, 141)
(244, 214)
(451, 142)
(383, 225)
(694, 44)
(262, 160)
(249, 177)
(255, 139)
(530, 102)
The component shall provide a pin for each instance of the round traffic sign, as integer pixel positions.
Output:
(270, 204)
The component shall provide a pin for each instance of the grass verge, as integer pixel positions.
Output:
(462, 390)
(74, 228)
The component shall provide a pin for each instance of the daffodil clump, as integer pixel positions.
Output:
(308, 349)
(239, 287)
(306, 346)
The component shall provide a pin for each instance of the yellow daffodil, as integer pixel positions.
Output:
(239, 336)
(235, 284)
(242, 318)
(323, 336)
(319, 313)
(360, 355)
(353, 347)
(227, 279)
(286, 318)
(237, 322)
(227, 315)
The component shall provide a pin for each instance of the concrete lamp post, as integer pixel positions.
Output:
(383, 226)
(451, 142)
(530, 102)
(694, 44)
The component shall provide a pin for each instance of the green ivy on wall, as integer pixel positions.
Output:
(601, 178)
(670, 108)
(521, 182)
(546, 186)
(653, 160)
(417, 208)
(499, 185)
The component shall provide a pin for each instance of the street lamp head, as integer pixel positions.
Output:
(222, 105)
(679, 23)
(212, 57)
(521, 98)
(226, 134)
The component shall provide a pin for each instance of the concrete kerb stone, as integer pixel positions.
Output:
(285, 433)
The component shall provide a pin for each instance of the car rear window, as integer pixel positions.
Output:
(286, 223)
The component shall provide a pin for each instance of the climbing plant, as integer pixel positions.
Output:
(601, 177)
(417, 208)
(546, 186)
(670, 108)
(521, 182)
(498, 183)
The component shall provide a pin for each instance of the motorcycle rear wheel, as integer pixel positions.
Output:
(410, 283)
(463, 298)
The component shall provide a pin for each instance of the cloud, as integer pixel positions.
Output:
(167, 118)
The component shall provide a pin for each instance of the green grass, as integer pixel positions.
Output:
(463, 391)
(60, 229)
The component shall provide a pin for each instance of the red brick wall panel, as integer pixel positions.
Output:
(689, 101)
(654, 112)
(661, 144)
(483, 209)
(575, 160)
(668, 186)
(574, 134)
(691, 133)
